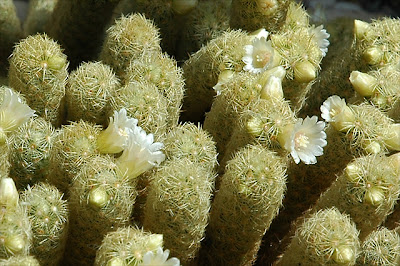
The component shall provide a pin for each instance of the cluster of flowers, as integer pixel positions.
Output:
(306, 138)
(139, 151)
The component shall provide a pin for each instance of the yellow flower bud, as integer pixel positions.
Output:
(393, 139)
(98, 197)
(360, 28)
(352, 172)
(374, 196)
(15, 244)
(116, 261)
(373, 55)
(363, 83)
(343, 255)
(254, 126)
(8, 193)
(304, 72)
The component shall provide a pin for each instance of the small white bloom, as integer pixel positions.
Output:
(114, 138)
(8, 192)
(306, 140)
(335, 110)
(321, 37)
(140, 154)
(159, 258)
(332, 107)
(259, 55)
(223, 78)
(260, 33)
(272, 89)
(13, 112)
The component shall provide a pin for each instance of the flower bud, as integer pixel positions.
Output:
(352, 172)
(343, 255)
(393, 139)
(372, 147)
(8, 192)
(360, 28)
(363, 83)
(304, 72)
(98, 197)
(374, 196)
(373, 55)
(254, 126)
(273, 89)
(15, 244)
(116, 261)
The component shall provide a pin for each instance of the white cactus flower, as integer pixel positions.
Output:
(8, 192)
(158, 258)
(321, 37)
(259, 33)
(114, 138)
(335, 110)
(140, 154)
(13, 112)
(259, 55)
(304, 140)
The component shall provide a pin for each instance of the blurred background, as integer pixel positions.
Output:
(359, 9)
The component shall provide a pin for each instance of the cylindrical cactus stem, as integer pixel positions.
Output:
(202, 69)
(376, 43)
(208, 20)
(177, 206)
(128, 39)
(166, 16)
(251, 15)
(126, 245)
(48, 216)
(38, 69)
(15, 229)
(249, 198)
(260, 121)
(162, 71)
(20, 260)
(326, 237)
(101, 200)
(10, 32)
(380, 247)
(236, 91)
(79, 26)
(367, 190)
(89, 89)
(73, 147)
(30, 147)
(190, 141)
(144, 102)
(39, 13)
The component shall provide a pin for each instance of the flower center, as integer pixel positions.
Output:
(122, 132)
(262, 58)
(300, 140)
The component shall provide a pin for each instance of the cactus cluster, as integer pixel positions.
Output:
(220, 132)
